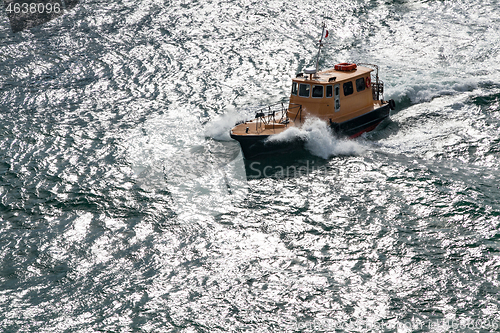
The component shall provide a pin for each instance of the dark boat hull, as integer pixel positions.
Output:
(257, 146)
(364, 123)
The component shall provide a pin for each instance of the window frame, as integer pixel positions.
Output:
(331, 88)
(364, 84)
(309, 90)
(296, 86)
(348, 90)
(322, 90)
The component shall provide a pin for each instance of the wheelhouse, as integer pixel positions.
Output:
(333, 93)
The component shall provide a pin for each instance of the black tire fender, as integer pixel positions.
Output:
(392, 104)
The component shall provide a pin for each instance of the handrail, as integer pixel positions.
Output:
(272, 112)
(376, 78)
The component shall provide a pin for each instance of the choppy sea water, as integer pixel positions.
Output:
(125, 206)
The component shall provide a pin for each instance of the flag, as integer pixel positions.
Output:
(325, 33)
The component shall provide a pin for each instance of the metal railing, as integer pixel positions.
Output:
(378, 90)
(378, 85)
(276, 114)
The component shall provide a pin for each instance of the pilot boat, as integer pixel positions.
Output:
(346, 97)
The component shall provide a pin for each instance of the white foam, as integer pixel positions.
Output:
(219, 128)
(443, 122)
(420, 92)
(319, 139)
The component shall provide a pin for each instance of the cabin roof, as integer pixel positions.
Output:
(324, 76)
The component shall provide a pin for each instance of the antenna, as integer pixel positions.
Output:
(320, 44)
(314, 70)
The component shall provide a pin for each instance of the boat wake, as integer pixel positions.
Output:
(408, 94)
(319, 139)
(198, 173)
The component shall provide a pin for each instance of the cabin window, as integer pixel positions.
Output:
(329, 91)
(360, 84)
(304, 90)
(348, 88)
(317, 91)
(294, 88)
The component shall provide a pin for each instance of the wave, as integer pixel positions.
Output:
(319, 139)
(219, 128)
(409, 94)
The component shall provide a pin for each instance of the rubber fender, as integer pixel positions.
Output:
(392, 104)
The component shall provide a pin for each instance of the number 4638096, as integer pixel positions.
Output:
(33, 8)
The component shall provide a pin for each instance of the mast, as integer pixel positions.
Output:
(320, 45)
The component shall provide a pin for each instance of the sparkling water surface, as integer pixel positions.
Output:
(126, 207)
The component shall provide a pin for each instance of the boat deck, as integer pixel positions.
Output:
(261, 126)
(268, 125)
